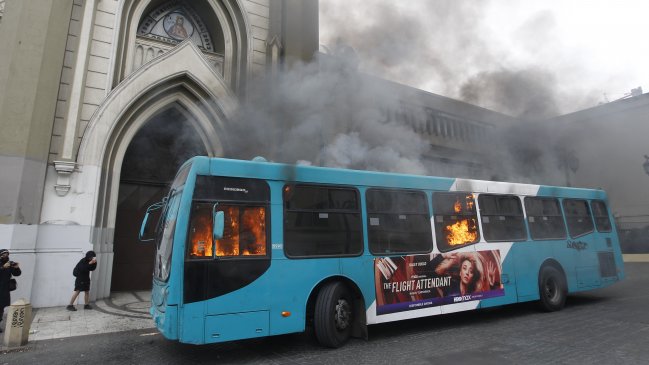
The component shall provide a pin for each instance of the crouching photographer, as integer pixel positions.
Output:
(7, 283)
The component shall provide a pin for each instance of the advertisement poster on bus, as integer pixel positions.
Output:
(419, 281)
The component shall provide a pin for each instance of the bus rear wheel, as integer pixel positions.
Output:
(334, 315)
(552, 289)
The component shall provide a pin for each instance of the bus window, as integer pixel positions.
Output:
(244, 234)
(200, 231)
(321, 221)
(577, 217)
(502, 218)
(602, 222)
(456, 220)
(545, 219)
(398, 222)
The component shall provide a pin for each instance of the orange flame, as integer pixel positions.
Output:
(254, 220)
(461, 232)
(228, 245)
(457, 207)
(469, 202)
(201, 236)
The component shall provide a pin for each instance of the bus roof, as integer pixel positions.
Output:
(328, 175)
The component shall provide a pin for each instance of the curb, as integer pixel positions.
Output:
(638, 257)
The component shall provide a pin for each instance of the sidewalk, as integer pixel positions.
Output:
(636, 257)
(123, 311)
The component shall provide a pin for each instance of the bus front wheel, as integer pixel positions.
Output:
(552, 289)
(334, 315)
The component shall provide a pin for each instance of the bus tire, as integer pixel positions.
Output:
(552, 289)
(334, 315)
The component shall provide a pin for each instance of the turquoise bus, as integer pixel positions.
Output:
(248, 249)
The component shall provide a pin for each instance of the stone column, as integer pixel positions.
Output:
(33, 35)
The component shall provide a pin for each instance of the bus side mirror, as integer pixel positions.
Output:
(147, 233)
(219, 224)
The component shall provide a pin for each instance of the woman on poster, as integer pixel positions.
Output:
(467, 272)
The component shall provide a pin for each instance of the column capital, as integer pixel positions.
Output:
(63, 171)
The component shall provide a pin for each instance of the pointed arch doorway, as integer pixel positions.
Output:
(151, 160)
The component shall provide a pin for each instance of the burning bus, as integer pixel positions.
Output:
(249, 249)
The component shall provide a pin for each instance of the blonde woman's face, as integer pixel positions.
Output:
(466, 272)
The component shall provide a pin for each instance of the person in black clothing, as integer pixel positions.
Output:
(7, 270)
(82, 282)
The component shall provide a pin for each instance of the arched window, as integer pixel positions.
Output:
(166, 25)
(173, 23)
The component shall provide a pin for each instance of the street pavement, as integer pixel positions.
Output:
(604, 326)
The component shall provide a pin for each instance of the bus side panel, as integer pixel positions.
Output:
(258, 307)
(235, 326)
(508, 276)
(298, 279)
(361, 271)
(528, 257)
(585, 251)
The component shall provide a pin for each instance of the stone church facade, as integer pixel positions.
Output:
(81, 79)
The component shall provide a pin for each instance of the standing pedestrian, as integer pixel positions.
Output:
(82, 282)
(7, 270)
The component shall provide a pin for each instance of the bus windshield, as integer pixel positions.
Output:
(167, 227)
(164, 241)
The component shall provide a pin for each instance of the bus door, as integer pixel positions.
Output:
(583, 243)
(604, 240)
(227, 253)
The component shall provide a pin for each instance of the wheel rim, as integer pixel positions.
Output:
(551, 290)
(342, 315)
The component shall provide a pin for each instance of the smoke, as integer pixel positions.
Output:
(331, 113)
(522, 93)
(326, 113)
(160, 148)
(531, 153)
(449, 48)
(414, 42)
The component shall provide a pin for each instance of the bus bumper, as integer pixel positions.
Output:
(167, 321)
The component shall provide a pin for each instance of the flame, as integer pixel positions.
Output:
(201, 236)
(457, 207)
(254, 219)
(228, 245)
(461, 232)
(469, 202)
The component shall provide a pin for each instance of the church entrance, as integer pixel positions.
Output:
(150, 163)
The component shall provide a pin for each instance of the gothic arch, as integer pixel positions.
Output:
(232, 21)
(180, 79)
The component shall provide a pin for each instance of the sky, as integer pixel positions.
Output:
(524, 58)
